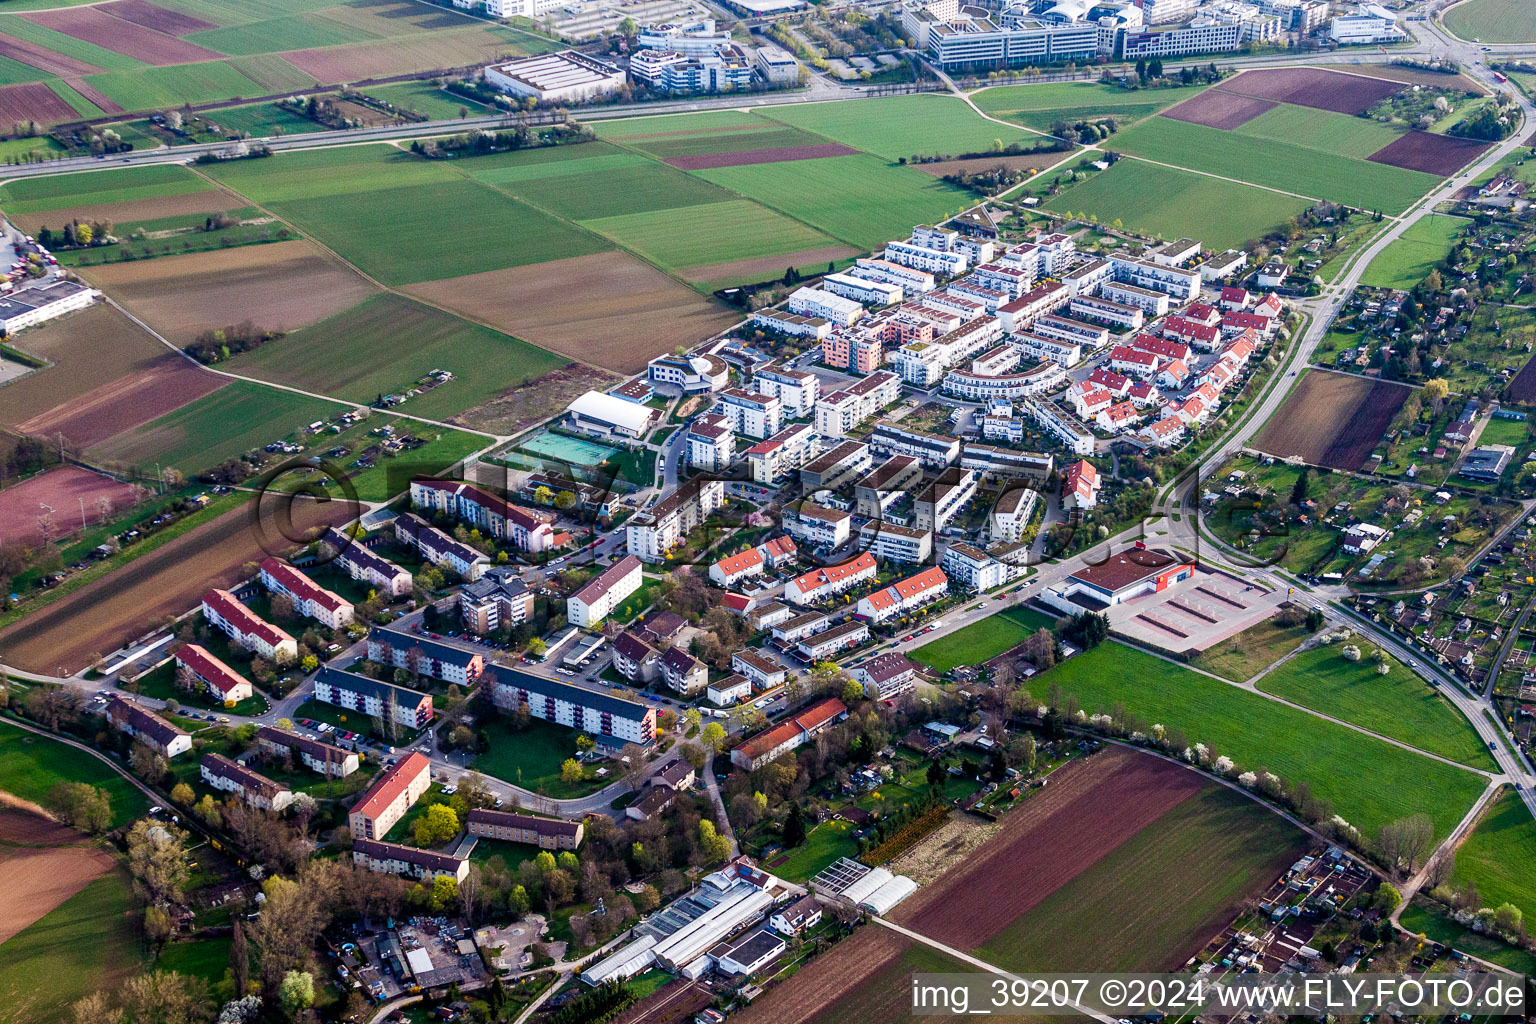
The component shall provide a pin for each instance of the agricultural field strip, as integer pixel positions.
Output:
(1251, 688)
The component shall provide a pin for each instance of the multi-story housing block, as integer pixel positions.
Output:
(148, 728)
(831, 469)
(324, 758)
(605, 592)
(393, 793)
(1153, 304)
(817, 525)
(1061, 425)
(220, 773)
(911, 280)
(773, 460)
(824, 305)
(439, 548)
(943, 499)
(525, 529)
(934, 450)
(611, 720)
(1181, 285)
(886, 485)
(1107, 311)
(892, 543)
(499, 598)
(364, 566)
(373, 698)
(756, 415)
(973, 569)
(796, 390)
(421, 655)
(711, 443)
(861, 289)
(310, 600)
(651, 533)
(247, 629)
(930, 261)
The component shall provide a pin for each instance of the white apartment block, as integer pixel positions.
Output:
(831, 469)
(711, 443)
(911, 280)
(651, 533)
(992, 461)
(1182, 285)
(1152, 304)
(934, 450)
(247, 629)
(773, 460)
(973, 568)
(1042, 378)
(872, 293)
(1061, 425)
(796, 390)
(818, 525)
(841, 411)
(1062, 329)
(1107, 311)
(922, 363)
(891, 543)
(1011, 514)
(1086, 278)
(1012, 281)
(931, 261)
(881, 488)
(755, 415)
(596, 601)
(1037, 302)
(817, 303)
(939, 503)
(1053, 350)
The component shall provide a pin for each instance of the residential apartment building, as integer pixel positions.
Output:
(605, 592)
(885, 485)
(423, 656)
(773, 460)
(832, 642)
(1042, 378)
(992, 461)
(1152, 303)
(884, 677)
(393, 793)
(911, 280)
(814, 302)
(923, 363)
(932, 450)
(247, 629)
(929, 261)
(146, 727)
(692, 374)
(801, 728)
(1181, 285)
(841, 411)
(408, 861)
(733, 569)
(1089, 336)
(498, 599)
(793, 325)
(611, 720)
(762, 671)
(364, 566)
(682, 672)
(525, 529)
(1011, 514)
(330, 761)
(373, 698)
(829, 581)
(943, 499)
(1053, 350)
(710, 443)
(892, 543)
(796, 390)
(220, 773)
(973, 569)
(222, 683)
(1023, 311)
(860, 289)
(756, 415)
(817, 525)
(529, 829)
(1107, 311)
(831, 469)
(1061, 425)
(651, 533)
(310, 600)
(904, 596)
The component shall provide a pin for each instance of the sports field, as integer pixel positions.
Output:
(1369, 782)
(1169, 203)
(1493, 21)
(387, 343)
(1399, 704)
(1038, 106)
(1500, 855)
(1288, 166)
(1409, 258)
(31, 765)
(981, 641)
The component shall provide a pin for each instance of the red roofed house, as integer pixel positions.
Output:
(526, 529)
(1117, 384)
(1200, 336)
(310, 600)
(1239, 351)
(1133, 361)
(1163, 348)
(820, 584)
(1144, 395)
(733, 568)
(1235, 298)
(223, 683)
(1173, 375)
(246, 628)
(1118, 416)
(1121, 577)
(1237, 323)
(1080, 485)
(1202, 313)
(807, 725)
(1092, 403)
(1165, 432)
(1270, 306)
(779, 551)
(391, 795)
(905, 595)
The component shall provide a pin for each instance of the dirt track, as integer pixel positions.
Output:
(103, 614)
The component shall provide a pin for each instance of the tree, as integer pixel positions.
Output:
(239, 959)
(853, 692)
(438, 825)
(297, 992)
(95, 1008)
(1388, 898)
(794, 826)
(80, 806)
(713, 737)
(544, 861)
(1299, 490)
(571, 771)
(166, 997)
(157, 859)
(182, 794)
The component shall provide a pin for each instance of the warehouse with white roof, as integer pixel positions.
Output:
(596, 412)
(568, 75)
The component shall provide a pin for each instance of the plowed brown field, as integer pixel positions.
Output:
(1216, 109)
(48, 865)
(1426, 151)
(142, 12)
(210, 201)
(1332, 419)
(138, 42)
(33, 101)
(89, 349)
(42, 58)
(1313, 87)
(166, 385)
(704, 161)
(71, 493)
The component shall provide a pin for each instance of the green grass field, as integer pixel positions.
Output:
(90, 188)
(69, 46)
(1339, 134)
(1502, 431)
(765, 135)
(860, 199)
(178, 244)
(1037, 106)
(286, 33)
(87, 943)
(1399, 704)
(1369, 782)
(1156, 899)
(200, 958)
(901, 126)
(14, 71)
(715, 233)
(639, 129)
(1500, 855)
(273, 73)
(823, 845)
(41, 147)
(31, 765)
(1169, 203)
(263, 119)
(388, 342)
(389, 476)
(981, 641)
(1281, 165)
(1251, 651)
(1429, 921)
(228, 422)
(147, 88)
(1493, 21)
(1410, 257)
(424, 98)
(335, 171)
(532, 758)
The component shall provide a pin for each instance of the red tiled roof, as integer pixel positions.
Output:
(807, 721)
(818, 578)
(913, 586)
(242, 618)
(388, 787)
(215, 672)
(301, 585)
(742, 562)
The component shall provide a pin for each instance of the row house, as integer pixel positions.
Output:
(904, 596)
(1219, 374)
(883, 486)
(1181, 285)
(762, 671)
(1088, 404)
(829, 581)
(653, 532)
(933, 450)
(989, 299)
(439, 548)
(222, 683)
(148, 728)
(733, 569)
(408, 861)
(1107, 311)
(799, 729)
(528, 829)
(366, 567)
(973, 569)
(892, 543)
(682, 672)
(1239, 350)
(818, 525)
(779, 552)
(1080, 486)
(220, 773)
(796, 390)
(423, 656)
(330, 761)
(393, 793)
(1151, 303)
(1061, 425)
(605, 592)
(832, 642)
(1117, 417)
(247, 629)
(911, 280)
(1042, 378)
(1202, 313)
(498, 599)
(310, 600)
(798, 627)
(1236, 299)
(523, 528)
(992, 461)
(1117, 384)
(1011, 514)
(863, 290)
(1054, 350)
(1172, 375)
(832, 469)
(1163, 348)
(610, 719)
(1133, 362)
(753, 414)
(1019, 314)
(373, 698)
(814, 302)
(1206, 338)
(1165, 433)
(773, 460)
(1221, 266)
(937, 505)
(929, 260)
(1198, 407)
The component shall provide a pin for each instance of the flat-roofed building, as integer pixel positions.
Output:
(973, 568)
(831, 469)
(753, 414)
(943, 499)
(651, 533)
(932, 450)
(831, 642)
(892, 543)
(568, 76)
(773, 460)
(884, 485)
(796, 390)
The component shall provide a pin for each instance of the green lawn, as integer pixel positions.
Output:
(273, 73)
(1493, 21)
(1038, 106)
(1410, 257)
(981, 641)
(1339, 134)
(388, 342)
(390, 476)
(186, 241)
(31, 765)
(228, 422)
(901, 126)
(512, 853)
(149, 88)
(860, 199)
(161, 685)
(1369, 782)
(733, 230)
(1281, 165)
(424, 98)
(1500, 855)
(1156, 899)
(638, 129)
(637, 602)
(1502, 431)
(1251, 651)
(89, 188)
(38, 147)
(823, 846)
(200, 958)
(596, 181)
(1169, 203)
(532, 758)
(1429, 921)
(262, 119)
(1400, 704)
(85, 944)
